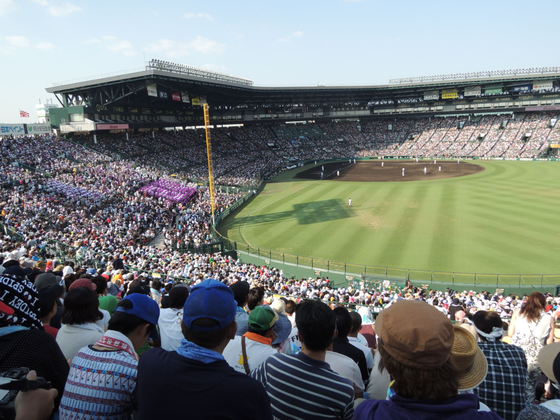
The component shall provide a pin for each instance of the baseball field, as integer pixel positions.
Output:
(487, 217)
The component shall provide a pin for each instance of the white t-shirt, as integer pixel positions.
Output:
(257, 353)
(345, 367)
(71, 338)
(355, 341)
(362, 339)
(378, 380)
(169, 324)
(104, 322)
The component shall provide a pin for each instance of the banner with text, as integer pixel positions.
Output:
(12, 130)
(449, 94)
(432, 95)
(543, 85)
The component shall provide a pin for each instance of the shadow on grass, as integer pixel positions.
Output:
(304, 213)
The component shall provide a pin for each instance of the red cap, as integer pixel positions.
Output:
(87, 283)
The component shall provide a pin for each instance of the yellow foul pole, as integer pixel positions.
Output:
(209, 155)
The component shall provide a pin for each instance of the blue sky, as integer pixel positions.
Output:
(285, 42)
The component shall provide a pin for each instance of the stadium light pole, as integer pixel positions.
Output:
(209, 155)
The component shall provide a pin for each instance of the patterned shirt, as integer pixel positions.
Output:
(301, 388)
(503, 390)
(100, 385)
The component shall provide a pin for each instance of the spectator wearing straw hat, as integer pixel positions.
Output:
(416, 343)
(549, 362)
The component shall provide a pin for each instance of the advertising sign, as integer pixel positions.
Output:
(493, 90)
(521, 88)
(12, 130)
(176, 96)
(432, 95)
(198, 100)
(112, 126)
(152, 89)
(473, 91)
(37, 129)
(185, 97)
(542, 85)
(449, 94)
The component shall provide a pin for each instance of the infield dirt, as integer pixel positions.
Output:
(390, 171)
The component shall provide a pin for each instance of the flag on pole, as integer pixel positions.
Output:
(23, 114)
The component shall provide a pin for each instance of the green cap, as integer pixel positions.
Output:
(262, 318)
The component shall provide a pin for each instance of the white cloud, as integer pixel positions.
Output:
(12, 43)
(199, 15)
(17, 41)
(171, 48)
(291, 36)
(59, 8)
(6, 6)
(113, 44)
(45, 46)
(123, 47)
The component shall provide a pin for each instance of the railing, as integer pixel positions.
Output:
(345, 274)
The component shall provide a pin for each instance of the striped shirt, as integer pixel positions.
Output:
(99, 386)
(300, 387)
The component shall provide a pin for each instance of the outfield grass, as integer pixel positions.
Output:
(502, 220)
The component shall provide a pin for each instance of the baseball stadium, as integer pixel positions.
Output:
(443, 180)
(345, 210)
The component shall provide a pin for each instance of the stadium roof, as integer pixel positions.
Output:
(170, 92)
(160, 68)
(482, 76)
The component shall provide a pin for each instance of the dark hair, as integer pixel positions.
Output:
(126, 323)
(81, 306)
(100, 284)
(46, 303)
(420, 384)
(136, 286)
(533, 308)
(343, 321)
(70, 278)
(208, 339)
(156, 284)
(240, 291)
(178, 296)
(316, 323)
(255, 298)
(485, 321)
(356, 322)
(290, 307)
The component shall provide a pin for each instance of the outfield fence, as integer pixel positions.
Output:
(345, 274)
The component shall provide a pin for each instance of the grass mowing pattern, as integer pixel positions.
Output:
(505, 219)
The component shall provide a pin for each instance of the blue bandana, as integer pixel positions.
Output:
(193, 351)
(12, 329)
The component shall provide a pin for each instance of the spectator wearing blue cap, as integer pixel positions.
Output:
(195, 381)
(103, 376)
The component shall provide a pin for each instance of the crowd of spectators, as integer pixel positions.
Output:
(118, 342)
(178, 328)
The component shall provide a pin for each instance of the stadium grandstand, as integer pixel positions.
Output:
(107, 213)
